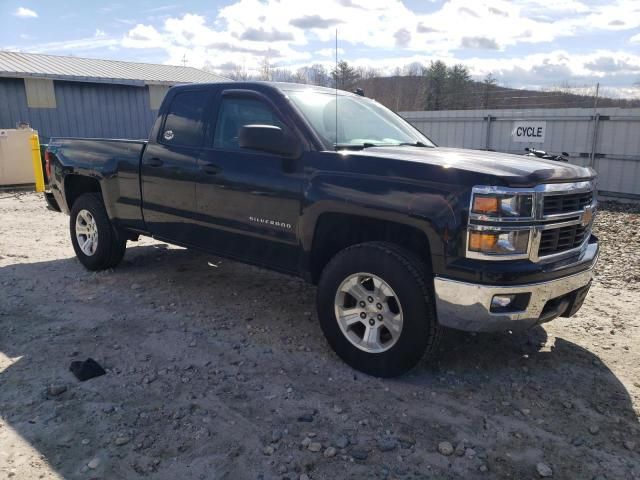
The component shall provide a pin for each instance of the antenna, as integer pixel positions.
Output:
(336, 86)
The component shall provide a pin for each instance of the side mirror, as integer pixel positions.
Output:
(269, 138)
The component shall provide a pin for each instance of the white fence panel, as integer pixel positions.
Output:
(607, 139)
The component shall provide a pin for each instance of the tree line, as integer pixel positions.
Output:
(415, 86)
(443, 87)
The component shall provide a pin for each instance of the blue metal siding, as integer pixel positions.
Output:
(83, 110)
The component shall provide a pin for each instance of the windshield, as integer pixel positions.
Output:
(362, 122)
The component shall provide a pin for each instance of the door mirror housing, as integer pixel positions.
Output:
(269, 138)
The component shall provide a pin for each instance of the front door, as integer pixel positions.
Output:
(169, 168)
(249, 202)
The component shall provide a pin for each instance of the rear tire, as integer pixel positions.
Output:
(97, 244)
(376, 310)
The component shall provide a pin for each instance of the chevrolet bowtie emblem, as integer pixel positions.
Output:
(587, 216)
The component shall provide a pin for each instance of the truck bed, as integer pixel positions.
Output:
(115, 163)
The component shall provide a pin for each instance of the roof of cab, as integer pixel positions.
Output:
(280, 86)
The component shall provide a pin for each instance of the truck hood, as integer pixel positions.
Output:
(514, 170)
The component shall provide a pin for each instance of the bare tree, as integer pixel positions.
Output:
(239, 73)
(413, 69)
(282, 75)
(265, 69)
(490, 83)
(318, 75)
(368, 72)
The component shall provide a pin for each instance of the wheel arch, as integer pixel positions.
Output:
(76, 185)
(335, 231)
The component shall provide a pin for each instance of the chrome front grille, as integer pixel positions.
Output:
(561, 239)
(568, 216)
(566, 203)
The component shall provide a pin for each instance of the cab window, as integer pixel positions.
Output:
(235, 113)
(184, 122)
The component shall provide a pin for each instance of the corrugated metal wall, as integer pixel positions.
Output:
(83, 110)
(609, 140)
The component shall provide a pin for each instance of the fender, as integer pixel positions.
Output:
(429, 208)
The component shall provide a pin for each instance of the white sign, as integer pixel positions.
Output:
(528, 132)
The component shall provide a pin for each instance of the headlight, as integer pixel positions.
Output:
(502, 205)
(499, 243)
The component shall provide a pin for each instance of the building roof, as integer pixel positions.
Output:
(20, 65)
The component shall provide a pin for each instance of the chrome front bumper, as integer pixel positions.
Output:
(467, 306)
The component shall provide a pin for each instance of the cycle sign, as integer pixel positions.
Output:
(528, 132)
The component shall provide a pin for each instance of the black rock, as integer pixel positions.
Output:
(86, 370)
(359, 454)
(387, 444)
(342, 441)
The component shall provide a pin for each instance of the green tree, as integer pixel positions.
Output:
(458, 82)
(435, 76)
(344, 75)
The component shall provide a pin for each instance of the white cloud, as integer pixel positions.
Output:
(330, 52)
(282, 29)
(485, 35)
(143, 36)
(23, 12)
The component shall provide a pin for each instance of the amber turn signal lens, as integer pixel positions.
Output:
(479, 241)
(485, 204)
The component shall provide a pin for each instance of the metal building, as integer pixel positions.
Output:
(82, 97)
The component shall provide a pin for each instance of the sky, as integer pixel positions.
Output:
(523, 43)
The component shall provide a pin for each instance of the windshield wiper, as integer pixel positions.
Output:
(354, 146)
(361, 146)
(414, 144)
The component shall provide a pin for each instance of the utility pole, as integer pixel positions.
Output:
(184, 60)
(596, 125)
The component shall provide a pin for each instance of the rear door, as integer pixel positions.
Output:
(169, 168)
(248, 201)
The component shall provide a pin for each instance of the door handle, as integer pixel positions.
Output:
(155, 162)
(211, 169)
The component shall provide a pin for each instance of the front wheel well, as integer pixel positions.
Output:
(335, 232)
(76, 185)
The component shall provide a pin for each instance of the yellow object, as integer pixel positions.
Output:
(37, 163)
(482, 242)
(485, 204)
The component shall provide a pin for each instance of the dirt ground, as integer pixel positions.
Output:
(219, 370)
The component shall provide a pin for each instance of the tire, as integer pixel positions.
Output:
(405, 275)
(109, 246)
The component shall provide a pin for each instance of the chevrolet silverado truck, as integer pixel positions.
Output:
(401, 237)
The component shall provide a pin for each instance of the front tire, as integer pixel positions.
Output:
(376, 310)
(97, 244)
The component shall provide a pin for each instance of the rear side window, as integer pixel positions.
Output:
(184, 123)
(238, 112)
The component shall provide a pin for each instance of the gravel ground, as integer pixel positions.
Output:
(219, 370)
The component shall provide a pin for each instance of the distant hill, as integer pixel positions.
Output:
(408, 93)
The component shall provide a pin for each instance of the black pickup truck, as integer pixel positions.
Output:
(401, 237)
